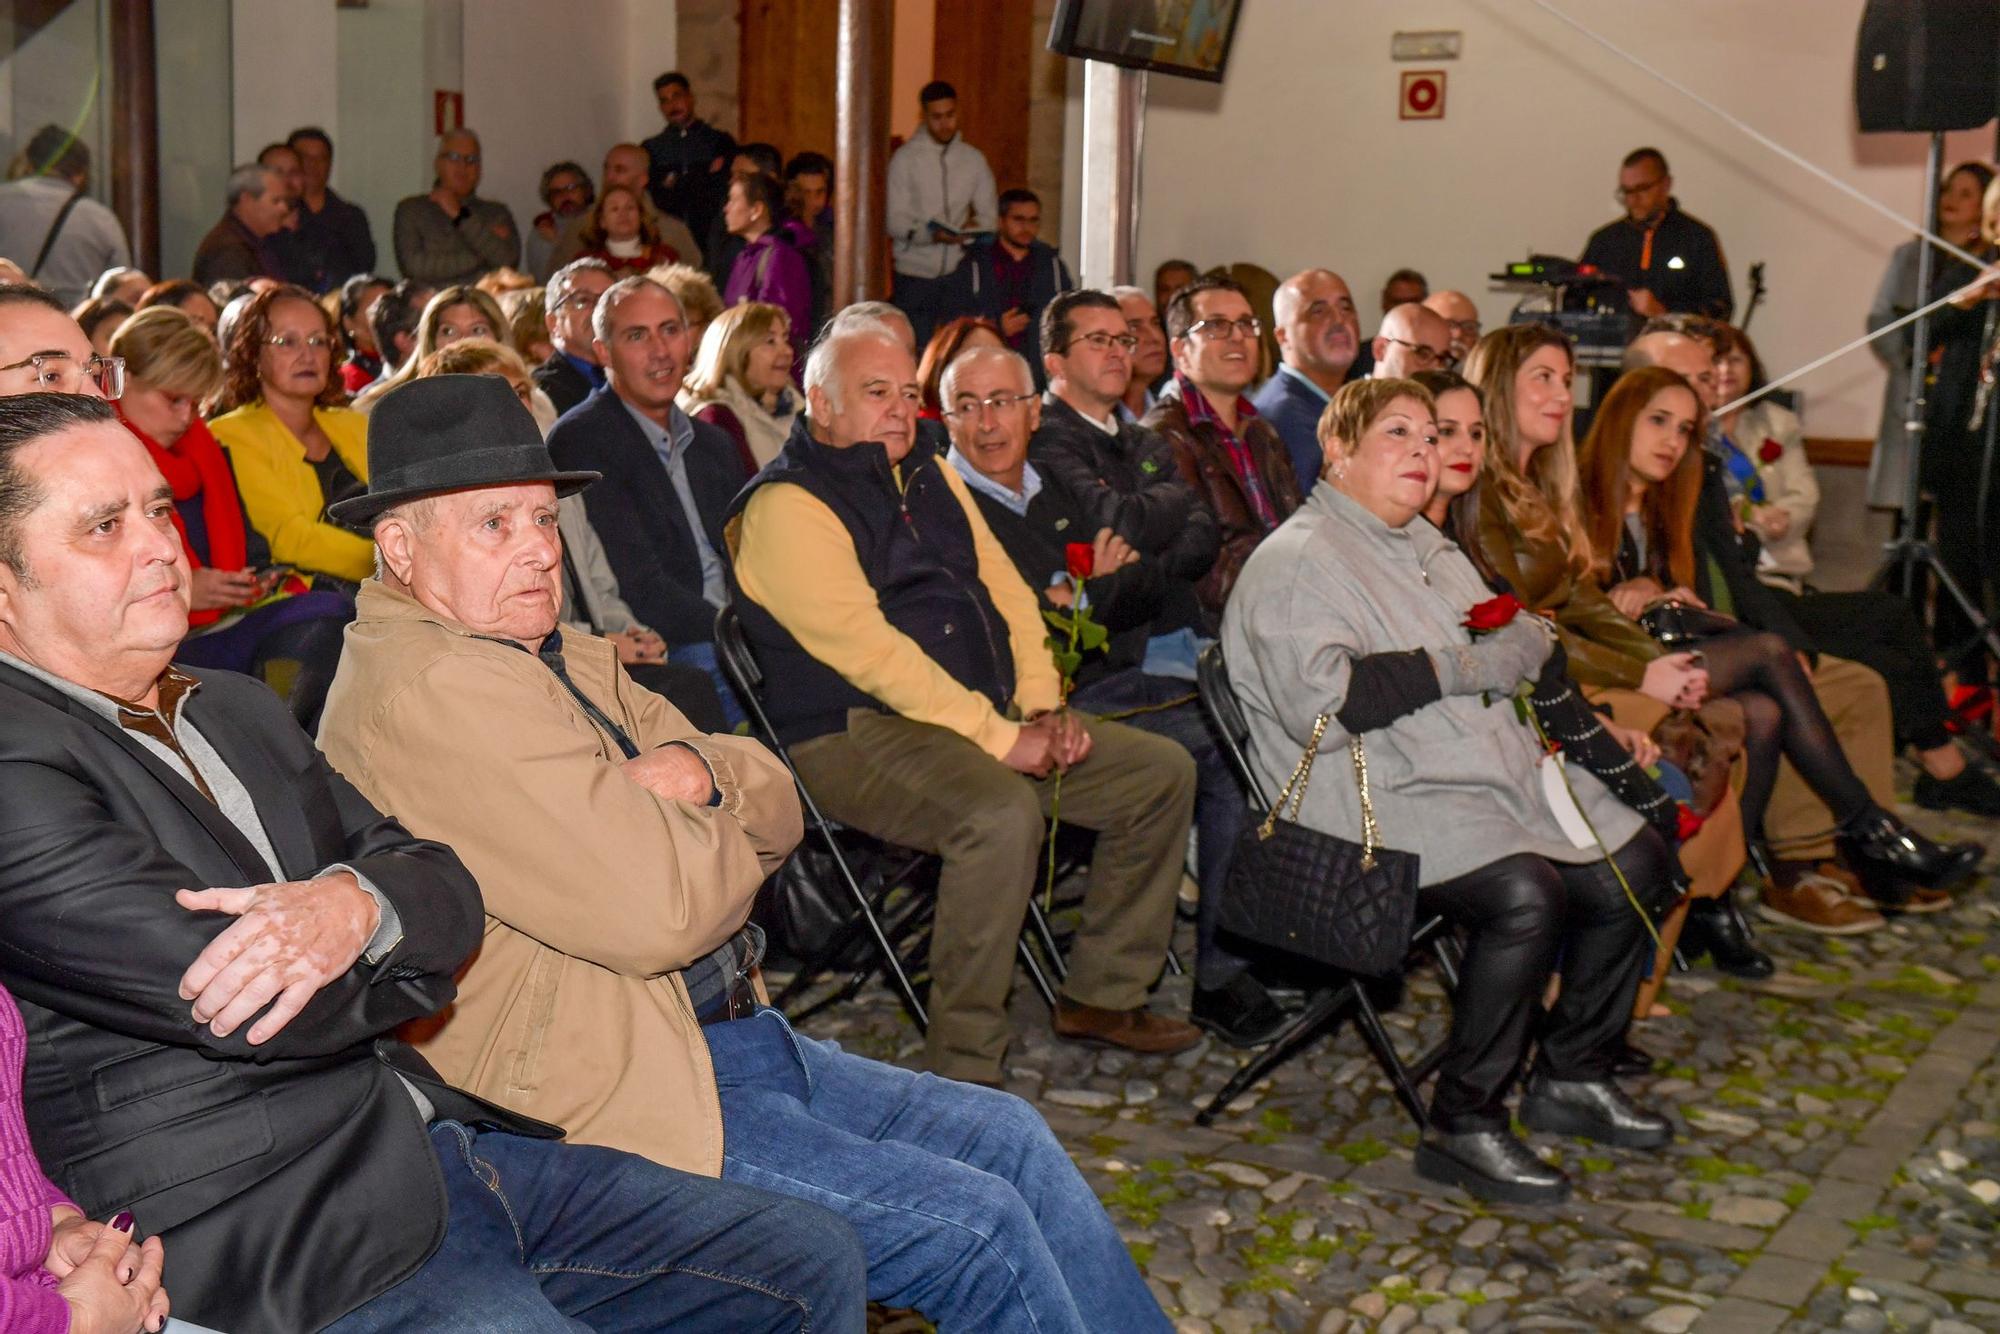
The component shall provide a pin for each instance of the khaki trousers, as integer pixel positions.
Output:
(927, 788)
(1797, 824)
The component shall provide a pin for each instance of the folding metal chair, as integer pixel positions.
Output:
(901, 865)
(1346, 995)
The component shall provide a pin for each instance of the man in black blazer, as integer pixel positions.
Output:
(572, 370)
(212, 937)
(668, 479)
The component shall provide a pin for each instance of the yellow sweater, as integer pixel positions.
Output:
(795, 558)
(282, 493)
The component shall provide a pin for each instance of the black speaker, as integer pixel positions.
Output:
(1927, 64)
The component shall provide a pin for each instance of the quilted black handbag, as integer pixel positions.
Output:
(1351, 905)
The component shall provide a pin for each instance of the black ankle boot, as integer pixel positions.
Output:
(1715, 927)
(1888, 856)
(1594, 1109)
(1491, 1165)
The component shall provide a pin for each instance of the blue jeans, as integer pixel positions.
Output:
(1221, 812)
(545, 1237)
(969, 1209)
(703, 656)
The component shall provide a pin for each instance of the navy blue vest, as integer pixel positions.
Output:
(915, 547)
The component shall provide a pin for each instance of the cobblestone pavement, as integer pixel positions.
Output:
(1838, 1165)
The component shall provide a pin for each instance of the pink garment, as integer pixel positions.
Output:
(29, 1302)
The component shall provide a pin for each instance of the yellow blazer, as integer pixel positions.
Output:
(282, 493)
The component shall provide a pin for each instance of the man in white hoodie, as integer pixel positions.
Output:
(941, 196)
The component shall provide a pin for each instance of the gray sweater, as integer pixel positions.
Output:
(1455, 782)
(432, 248)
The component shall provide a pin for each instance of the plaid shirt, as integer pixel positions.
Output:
(1199, 411)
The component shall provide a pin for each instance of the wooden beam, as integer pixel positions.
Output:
(135, 130)
(861, 146)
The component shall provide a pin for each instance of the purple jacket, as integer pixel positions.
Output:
(771, 269)
(29, 1302)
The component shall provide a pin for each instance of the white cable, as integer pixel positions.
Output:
(1834, 355)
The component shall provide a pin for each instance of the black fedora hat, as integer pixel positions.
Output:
(448, 433)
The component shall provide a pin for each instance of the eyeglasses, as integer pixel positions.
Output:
(1624, 192)
(1104, 342)
(577, 301)
(1423, 356)
(1249, 326)
(993, 403)
(286, 342)
(60, 373)
(463, 159)
(1470, 328)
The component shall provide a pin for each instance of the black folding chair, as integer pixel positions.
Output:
(895, 867)
(1345, 995)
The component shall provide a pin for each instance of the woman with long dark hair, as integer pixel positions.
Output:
(1648, 519)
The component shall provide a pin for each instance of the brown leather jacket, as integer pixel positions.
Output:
(1606, 647)
(1204, 464)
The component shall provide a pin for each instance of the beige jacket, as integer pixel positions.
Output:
(1785, 562)
(597, 892)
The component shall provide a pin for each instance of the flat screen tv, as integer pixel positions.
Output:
(1185, 37)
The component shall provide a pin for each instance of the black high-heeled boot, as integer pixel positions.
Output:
(1715, 927)
(1888, 857)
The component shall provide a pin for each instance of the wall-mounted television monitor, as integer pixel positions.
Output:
(1189, 38)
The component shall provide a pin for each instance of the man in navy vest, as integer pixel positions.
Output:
(910, 679)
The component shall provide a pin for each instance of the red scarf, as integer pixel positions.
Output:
(194, 466)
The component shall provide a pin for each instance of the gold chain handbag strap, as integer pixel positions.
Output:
(1371, 834)
(1295, 786)
(1295, 791)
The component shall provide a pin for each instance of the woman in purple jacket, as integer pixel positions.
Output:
(60, 1273)
(770, 269)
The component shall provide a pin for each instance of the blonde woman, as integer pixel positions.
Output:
(453, 313)
(742, 380)
(700, 302)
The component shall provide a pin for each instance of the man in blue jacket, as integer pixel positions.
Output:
(1319, 334)
(1009, 279)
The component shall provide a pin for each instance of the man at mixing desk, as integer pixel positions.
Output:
(1669, 260)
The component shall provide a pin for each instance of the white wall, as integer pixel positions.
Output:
(281, 78)
(1298, 158)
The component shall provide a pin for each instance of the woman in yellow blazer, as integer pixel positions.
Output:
(295, 450)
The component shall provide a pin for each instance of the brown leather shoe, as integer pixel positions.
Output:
(1137, 1030)
(1920, 900)
(1817, 903)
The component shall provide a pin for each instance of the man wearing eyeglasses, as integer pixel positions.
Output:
(1670, 261)
(451, 235)
(1460, 316)
(1227, 452)
(43, 350)
(573, 370)
(1319, 336)
(910, 679)
(1412, 338)
(1011, 279)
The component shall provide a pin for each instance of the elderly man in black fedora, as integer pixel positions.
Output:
(214, 939)
(619, 851)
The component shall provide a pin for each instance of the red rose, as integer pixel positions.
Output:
(1770, 451)
(1686, 823)
(1080, 557)
(1492, 614)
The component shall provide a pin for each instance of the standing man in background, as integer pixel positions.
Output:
(941, 195)
(690, 159)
